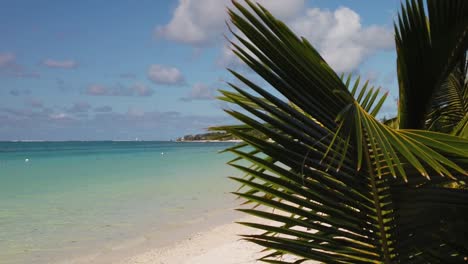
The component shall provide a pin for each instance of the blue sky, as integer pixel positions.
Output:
(120, 70)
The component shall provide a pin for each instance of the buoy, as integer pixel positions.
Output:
(162, 153)
(26, 160)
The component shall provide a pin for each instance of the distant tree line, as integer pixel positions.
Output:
(207, 136)
(216, 136)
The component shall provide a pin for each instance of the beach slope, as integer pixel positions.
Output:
(218, 245)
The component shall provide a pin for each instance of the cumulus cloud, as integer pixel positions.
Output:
(140, 89)
(372, 75)
(59, 116)
(97, 89)
(200, 91)
(193, 23)
(137, 89)
(228, 58)
(167, 75)
(338, 35)
(35, 103)
(6, 59)
(9, 67)
(60, 64)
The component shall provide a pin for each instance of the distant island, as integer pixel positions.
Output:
(208, 137)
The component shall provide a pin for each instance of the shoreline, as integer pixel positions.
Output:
(194, 235)
(122, 199)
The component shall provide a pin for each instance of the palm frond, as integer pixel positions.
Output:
(431, 224)
(461, 129)
(450, 103)
(321, 161)
(428, 48)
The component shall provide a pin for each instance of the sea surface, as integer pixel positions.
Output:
(65, 200)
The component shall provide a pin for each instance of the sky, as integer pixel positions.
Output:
(121, 70)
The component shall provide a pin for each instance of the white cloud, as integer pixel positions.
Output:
(97, 89)
(228, 58)
(35, 103)
(201, 22)
(338, 35)
(340, 38)
(64, 64)
(283, 9)
(200, 91)
(140, 89)
(7, 58)
(59, 116)
(137, 89)
(9, 67)
(161, 74)
(372, 75)
(194, 23)
(135, 112)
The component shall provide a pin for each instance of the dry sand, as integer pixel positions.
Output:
(218, 245)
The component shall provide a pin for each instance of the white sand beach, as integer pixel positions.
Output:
(218, 245)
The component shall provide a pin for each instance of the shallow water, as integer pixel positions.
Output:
(63, 199)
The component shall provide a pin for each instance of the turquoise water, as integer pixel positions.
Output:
(64, 199)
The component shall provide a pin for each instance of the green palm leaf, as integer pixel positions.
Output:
(428, 48)
(323, 162)
(450, 104)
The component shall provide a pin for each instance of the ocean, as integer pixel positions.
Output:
(66, 200)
